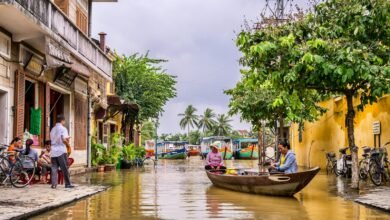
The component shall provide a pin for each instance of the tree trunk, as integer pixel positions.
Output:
(260, 147)
(350, 116)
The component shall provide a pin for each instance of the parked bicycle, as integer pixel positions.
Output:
(15, 171)
(344, 164)
(379, 165)
(364, 163)
(331, 163)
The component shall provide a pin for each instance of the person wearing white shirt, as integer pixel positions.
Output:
(59, 135)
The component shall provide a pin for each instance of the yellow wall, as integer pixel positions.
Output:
(330, 134)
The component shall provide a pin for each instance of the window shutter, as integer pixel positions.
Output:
(81, 21)
(63, 5)
(19, 103)
(81, 115)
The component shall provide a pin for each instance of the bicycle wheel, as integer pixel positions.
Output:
(4, 169)
(375, 173)
(362, 170)
(21, 176)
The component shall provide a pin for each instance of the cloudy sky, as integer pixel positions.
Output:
(196, 36)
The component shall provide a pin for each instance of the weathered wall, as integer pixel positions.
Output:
(330, 134)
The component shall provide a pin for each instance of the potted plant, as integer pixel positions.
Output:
(100, 164)
(128, 153)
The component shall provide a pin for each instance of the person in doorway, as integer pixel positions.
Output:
(59, 157)
(14, 147)
(287, 162)
(45, 161)
(214, 159)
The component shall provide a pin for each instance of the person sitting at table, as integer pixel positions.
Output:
(287, 162)
(31, 153)
(45, 161)
(214, 160)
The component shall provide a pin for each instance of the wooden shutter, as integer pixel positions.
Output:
(63, 5)
(81, 116)
(81, 20)
(19, 103)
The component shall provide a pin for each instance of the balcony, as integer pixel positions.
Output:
(32, 21)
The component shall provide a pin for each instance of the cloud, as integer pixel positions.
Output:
(196, 36)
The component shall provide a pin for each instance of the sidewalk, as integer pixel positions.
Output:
(378, 197)
(25, 202)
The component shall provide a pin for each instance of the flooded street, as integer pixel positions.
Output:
(180, 189)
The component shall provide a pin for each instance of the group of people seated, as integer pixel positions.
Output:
(42, 162)
(287, 162)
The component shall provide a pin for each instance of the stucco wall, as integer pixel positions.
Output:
(330, 134)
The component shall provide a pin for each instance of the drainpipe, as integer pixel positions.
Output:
(89, 17)
(89, 164)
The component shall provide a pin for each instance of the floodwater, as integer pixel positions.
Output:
(180, 189)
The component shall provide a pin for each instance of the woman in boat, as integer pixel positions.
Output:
(287, 162)
(214, 159)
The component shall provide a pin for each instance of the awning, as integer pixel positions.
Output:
(114, 100)
(75, 66)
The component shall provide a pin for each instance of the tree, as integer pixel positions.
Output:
(189, 118)
(222, 126)
(207, 120)
(148, 131)
(194, 137)
(340, 48)
(141, 80)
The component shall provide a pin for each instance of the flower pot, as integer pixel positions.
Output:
(126, 164)
(109, 167)
(100, 168)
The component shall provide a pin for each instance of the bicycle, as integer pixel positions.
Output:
(331, 163)
(344, 165)
(364, 164)
(379, 165)
(16, 172)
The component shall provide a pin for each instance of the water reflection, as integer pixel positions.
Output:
(181, 190)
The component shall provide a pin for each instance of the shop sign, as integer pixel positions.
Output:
(31, 61)
(376, 127)
(55, 50)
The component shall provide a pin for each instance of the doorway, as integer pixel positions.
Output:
(4, 116)
(29, 103)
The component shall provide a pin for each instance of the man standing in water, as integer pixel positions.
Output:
(59, 158)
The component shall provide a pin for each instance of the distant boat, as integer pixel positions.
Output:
(246, 148)
(224, 145)
(193, 150)
(259, 183)
(172, 150)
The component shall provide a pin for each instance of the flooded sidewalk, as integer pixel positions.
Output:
(378, 197)
(22, 203)
(180, 189)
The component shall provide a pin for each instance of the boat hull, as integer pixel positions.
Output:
(193, 153)
(228, 156)
(247, 155)
(178, 154)
(273, 185)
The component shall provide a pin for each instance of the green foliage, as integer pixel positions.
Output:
(130, 152)
(148, 131)
(194, 137)
(223, 126)
(189, 118)
(97, 152)
(142, 80)
(207, 120)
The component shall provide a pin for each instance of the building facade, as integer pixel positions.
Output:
(49, 66)
(329, 133)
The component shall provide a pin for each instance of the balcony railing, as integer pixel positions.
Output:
(50, 16)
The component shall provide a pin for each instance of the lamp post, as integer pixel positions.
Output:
(156, 139)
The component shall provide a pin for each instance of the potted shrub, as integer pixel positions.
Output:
(101, 165)
(128, 153)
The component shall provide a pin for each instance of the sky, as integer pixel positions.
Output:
(195, 36)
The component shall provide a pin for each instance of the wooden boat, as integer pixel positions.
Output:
(176, 154)
(226, 153)
(246, 148)
(193, 150)
(258, 183)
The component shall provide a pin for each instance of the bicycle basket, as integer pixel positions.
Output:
(331, 155)
(366, 150)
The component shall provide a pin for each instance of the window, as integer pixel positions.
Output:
(82, 21)
(112, 88)
(63, 5)
(5, 45)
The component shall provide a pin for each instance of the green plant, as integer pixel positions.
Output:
(97, 152)
(128, 152)
(140, 152)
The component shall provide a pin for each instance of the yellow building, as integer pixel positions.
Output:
(329, 133)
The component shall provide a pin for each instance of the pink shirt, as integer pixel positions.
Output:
(214, 159)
